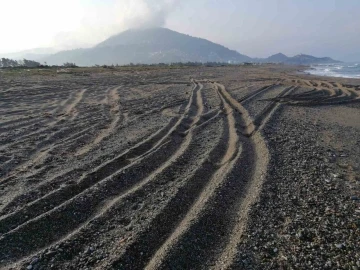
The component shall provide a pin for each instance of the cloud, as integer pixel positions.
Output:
(28, 24)
(103, 20)
(144, 13)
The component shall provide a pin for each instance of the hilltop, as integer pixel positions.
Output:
(149, 46)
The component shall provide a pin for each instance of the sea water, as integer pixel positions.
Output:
(345, 70)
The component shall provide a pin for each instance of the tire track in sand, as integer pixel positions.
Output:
(67, 110)
(332, 94)
(150, 242)
(176, 209)
(68, 216)
(226, 257)
(210, 218)
(69, 113)
(45, 192)
(70, 109)
(180, 150)
(113, 101)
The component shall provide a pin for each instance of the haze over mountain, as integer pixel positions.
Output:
(300, 59)
(149, 46)
(161, 45)
(277, 58)
(33, 54)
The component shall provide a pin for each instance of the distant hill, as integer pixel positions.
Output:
(149, 46)
(303, 59)
(300, 59)
(277, 58)
(161, 45)
(33, 54)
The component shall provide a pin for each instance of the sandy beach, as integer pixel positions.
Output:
(234, 167)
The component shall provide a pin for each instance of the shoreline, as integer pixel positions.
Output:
(335, 70)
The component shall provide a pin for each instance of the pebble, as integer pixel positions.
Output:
(339, 245)
(34, 261)
(50, 253)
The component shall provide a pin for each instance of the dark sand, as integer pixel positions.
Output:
(179, 168)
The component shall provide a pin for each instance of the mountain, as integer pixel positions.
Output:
(303, 59)
(149, 46)
(161, 45)
(33, 54)
(300, 59)
(277, 58)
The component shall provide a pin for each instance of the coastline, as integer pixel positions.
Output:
(336, 70)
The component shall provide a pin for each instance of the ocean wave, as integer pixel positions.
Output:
(348, 70)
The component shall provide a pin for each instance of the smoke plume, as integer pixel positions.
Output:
(101, 22)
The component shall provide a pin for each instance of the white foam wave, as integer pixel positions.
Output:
(333, 71)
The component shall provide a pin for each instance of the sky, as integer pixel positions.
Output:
(256, 28)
